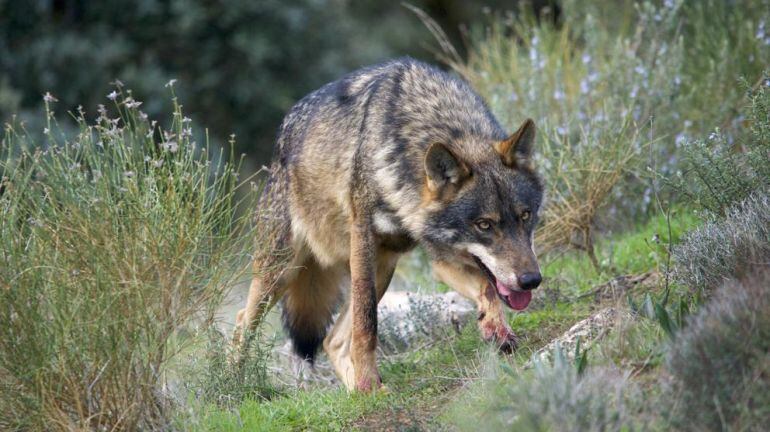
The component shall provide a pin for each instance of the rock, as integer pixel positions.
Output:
(405, 319)
(589, 331)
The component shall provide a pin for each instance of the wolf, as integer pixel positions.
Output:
(387, 158)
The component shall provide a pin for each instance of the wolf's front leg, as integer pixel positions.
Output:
(469, 282)
(363, 298)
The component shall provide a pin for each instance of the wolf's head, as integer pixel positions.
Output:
(484, 205)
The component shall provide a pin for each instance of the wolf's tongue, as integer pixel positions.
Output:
(519, 299)
(516, 299)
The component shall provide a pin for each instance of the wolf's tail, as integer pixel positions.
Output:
(308, 307)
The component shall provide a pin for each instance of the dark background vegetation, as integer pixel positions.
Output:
(241, 64)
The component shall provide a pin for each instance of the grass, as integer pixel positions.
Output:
(638, 250)
(414, 380)
(114, 243)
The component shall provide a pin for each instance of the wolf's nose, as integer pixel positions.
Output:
(530, 281)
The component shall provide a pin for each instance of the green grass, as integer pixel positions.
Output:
(413, 380)
(640, 249)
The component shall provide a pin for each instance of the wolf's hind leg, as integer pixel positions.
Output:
(470, 283)
(309, 303)
(338, 341)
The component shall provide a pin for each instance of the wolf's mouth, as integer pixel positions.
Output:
(513, 297)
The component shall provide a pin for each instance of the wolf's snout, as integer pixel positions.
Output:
(528, 281)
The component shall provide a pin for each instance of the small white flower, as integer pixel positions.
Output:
(186, 119)
(129, 174)
(170, 83)
(46, 131)
(113, 95)
(48, 97)
(586, 58)
(584, 87)
(171, 146)
(133, 103)
(143, 115)
(147, 158)
(158, 163)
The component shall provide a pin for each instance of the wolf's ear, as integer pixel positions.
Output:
(516, 150)
(442, 168)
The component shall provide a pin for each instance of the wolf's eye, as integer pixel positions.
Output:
(483, 224)
(525, 216)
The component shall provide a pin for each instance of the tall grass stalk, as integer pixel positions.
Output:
(111, 241)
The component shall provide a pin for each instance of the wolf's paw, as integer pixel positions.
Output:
(369, 382)
(508, 342)
(500, 334)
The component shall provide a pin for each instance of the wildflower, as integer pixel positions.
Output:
(131, 103)
(186, 132)
(170, 83)
(129, 174)
(584, 87)
(117, 83)
(46, 131)
(713, 136)
(186, 119)
(75, 166)
(35, 222)
(147, 158)
(113, 95)
(558, 94)
(681, 138)
(171, 146)
(586, 58)
(143, 115)
(561, 130)
(158, 163)
(48, 97)
(634, 92)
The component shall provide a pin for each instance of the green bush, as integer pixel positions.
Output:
(111, 241)
(720, 171)
(719, 365)
(724, 249)
(551, 397)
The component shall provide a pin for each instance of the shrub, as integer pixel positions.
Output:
(720, 363)
(111, 241)
(551, 397)
(725, 249)
(719, 172)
